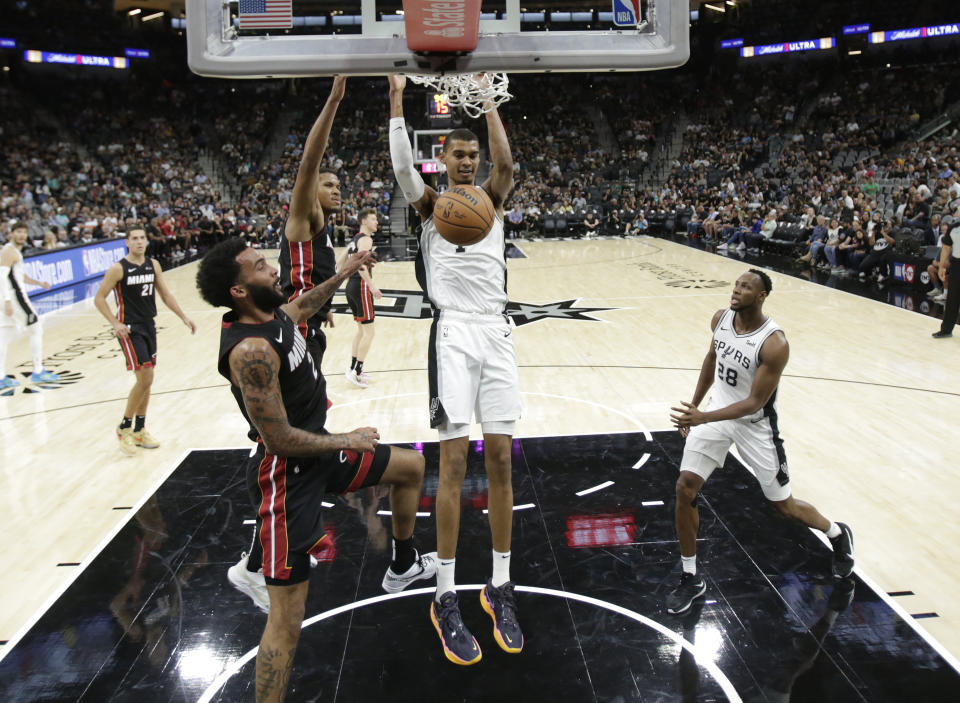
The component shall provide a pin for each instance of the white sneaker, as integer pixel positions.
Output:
(722, 245)
(741, 246)
(934, 292)
(249, 584)
(425, 567)
(357, 380)
(940, 298)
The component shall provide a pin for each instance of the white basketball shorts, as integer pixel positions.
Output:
(472, 369)
(758, 443)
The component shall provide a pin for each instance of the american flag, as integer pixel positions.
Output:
(266, 14)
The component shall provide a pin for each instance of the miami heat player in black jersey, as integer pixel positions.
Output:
(282, 395)
(135, 281)
(303, 266)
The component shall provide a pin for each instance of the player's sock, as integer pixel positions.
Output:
(445, 576)
(36, 347)
(689, 564)
(126, 423)
(403, 555)
(834, 531)
(501, 568)
(359, 368)
(353, 363)
(139, 422)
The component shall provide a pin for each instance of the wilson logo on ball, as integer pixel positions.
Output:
(464, 215)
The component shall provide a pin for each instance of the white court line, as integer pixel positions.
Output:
(643, 460)
(882, 594)
(702, 657)
(12, 642)
(598, 487)
(388, 513)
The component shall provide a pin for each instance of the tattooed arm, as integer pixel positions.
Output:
(305, 306)
(255, 369)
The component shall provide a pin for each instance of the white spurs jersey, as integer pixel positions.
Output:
(738, 356)
(469, 278)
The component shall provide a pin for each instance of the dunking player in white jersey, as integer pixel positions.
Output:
(472, 369)
(746, 359)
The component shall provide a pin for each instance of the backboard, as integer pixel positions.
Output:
(563, 36)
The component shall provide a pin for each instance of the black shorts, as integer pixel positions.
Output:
(140, 348)
(360, 300)
(286, 493)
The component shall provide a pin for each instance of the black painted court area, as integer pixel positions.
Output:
(154, 618)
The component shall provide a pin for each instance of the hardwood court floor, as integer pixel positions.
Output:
(866, 405)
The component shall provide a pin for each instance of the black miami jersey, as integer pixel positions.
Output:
(135, 292)
(304, 266)
(302, 386)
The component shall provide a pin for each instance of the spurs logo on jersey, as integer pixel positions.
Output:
(738, 356)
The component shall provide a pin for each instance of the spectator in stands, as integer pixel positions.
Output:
(938, 275)
(836, 237)
(591, 224)
(856, 247)
(514, 223)
(638, 226)
(881, 243)
(816, 243)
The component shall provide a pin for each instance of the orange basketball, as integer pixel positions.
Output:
(463, 215)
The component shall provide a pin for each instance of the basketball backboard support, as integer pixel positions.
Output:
(510, 40)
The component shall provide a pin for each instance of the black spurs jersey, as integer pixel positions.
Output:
(353, 248)
(302, 387)
(305, 265)
(136, 297)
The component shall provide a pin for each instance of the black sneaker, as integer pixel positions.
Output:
(501, 606)
(459, 645)
(842, 596)
(691, 587)
(941, 335)
(842, 552)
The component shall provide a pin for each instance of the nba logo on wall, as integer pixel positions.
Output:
(626, 13)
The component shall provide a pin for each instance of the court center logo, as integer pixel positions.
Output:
(414, 305)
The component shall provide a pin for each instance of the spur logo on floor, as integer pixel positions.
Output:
(414, 305)
(25, 385)
(677, 276)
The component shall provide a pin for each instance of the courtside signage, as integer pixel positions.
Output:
(789, 47)
(66, 267)
(37, 56)
(939, 30)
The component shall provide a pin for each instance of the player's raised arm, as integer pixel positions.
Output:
(500, 182)
(418, 194)
(305, 188)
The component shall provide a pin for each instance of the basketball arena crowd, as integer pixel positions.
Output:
(813, 159)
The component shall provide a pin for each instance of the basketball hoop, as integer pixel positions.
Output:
(474, 94)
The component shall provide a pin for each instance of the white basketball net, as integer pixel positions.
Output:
(473, 94)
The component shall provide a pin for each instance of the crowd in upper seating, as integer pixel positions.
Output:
(749, 157)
